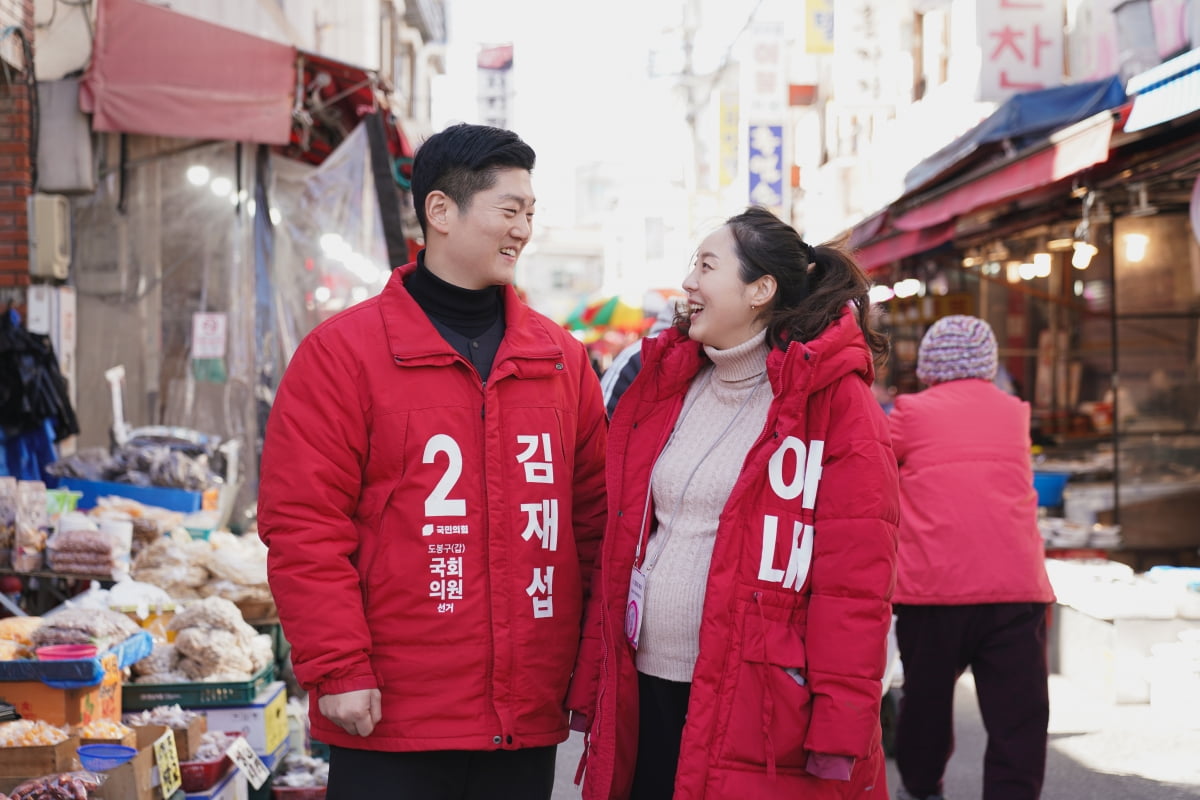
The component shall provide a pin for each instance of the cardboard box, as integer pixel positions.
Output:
(27, 762)
(264, 722)
(233, 786)
(133, 780)
(63, 707)
(187, 740)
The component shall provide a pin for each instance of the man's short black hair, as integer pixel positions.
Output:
(462, 161)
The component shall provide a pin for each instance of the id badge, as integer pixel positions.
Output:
(634, 607)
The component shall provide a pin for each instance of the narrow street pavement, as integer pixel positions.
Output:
(1098, 751)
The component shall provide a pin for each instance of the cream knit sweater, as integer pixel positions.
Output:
(686, 513)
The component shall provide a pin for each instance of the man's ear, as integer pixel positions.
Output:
(438, 207)
(762, 291)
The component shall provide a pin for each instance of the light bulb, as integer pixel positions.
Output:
(1082, 257)
(1135, 246)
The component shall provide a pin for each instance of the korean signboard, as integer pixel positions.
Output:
(766, 166)
(1022, 45)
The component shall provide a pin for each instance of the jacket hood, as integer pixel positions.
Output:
(838, 351)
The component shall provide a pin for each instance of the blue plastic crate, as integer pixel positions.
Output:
(170, 499)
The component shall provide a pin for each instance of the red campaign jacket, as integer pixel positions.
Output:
(431, 535)
(821, 476)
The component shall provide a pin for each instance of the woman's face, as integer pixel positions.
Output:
(720, 305)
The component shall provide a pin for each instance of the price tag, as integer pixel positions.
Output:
(244, 758)
(168, 764)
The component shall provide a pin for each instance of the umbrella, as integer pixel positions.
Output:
(612, 313)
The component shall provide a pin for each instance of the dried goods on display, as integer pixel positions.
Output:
(8, 517)
(87, 550)
(16, 637)
(32, 527)
(224, 565)
(30, 733)
(213, 643)
(98, 626)
(172, 716)
(302, 772)
(148, 464)
(64, 786)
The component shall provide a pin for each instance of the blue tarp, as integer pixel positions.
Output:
(78, 673)
(1022, 120)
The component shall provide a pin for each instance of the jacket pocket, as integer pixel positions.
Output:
(769, 700)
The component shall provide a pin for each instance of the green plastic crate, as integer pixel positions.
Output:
(135, 697)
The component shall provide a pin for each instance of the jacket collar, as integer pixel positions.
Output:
(411, 336)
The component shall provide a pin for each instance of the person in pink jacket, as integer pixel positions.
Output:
(971, 585)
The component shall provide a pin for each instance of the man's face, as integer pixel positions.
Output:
(485, 239)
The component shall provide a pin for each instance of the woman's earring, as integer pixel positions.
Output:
(754, 305)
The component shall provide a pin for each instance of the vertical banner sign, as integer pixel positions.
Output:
(728, 151)
(818, 27)
(766, 166)
(494, 65)
(1022, 46)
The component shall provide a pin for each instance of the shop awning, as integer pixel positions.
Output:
(881, 252)
(1168, 91)
(1064, 154)
(158, 72)
(1021, 121)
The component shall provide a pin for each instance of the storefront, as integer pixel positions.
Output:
(240, 192)
(1076, 238)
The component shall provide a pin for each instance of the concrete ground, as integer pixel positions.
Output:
(1097, 751)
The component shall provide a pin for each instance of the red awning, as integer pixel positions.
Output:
(158, 72)
(906, 243)
(1074, 149)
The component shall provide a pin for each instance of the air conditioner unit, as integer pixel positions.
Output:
(49, 236)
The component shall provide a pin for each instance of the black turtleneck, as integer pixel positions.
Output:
(466, 311)
(471, 320)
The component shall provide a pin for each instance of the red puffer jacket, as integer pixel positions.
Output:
(796, 611)
(394, 563)
(967, 438)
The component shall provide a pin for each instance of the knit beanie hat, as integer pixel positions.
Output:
(957, 347)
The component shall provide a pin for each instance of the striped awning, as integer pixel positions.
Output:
(1165, 92)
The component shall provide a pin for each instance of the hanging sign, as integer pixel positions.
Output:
(209, 332)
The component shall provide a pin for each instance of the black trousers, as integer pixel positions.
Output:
(662, 710)
(1004, 644)
(526, 774)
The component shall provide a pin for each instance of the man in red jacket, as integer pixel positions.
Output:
(432, 497)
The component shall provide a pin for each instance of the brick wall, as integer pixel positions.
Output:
(16, 169)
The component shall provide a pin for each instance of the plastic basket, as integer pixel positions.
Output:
(1049, 487)
(196, 776)
(135, 697)
(101, 757)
